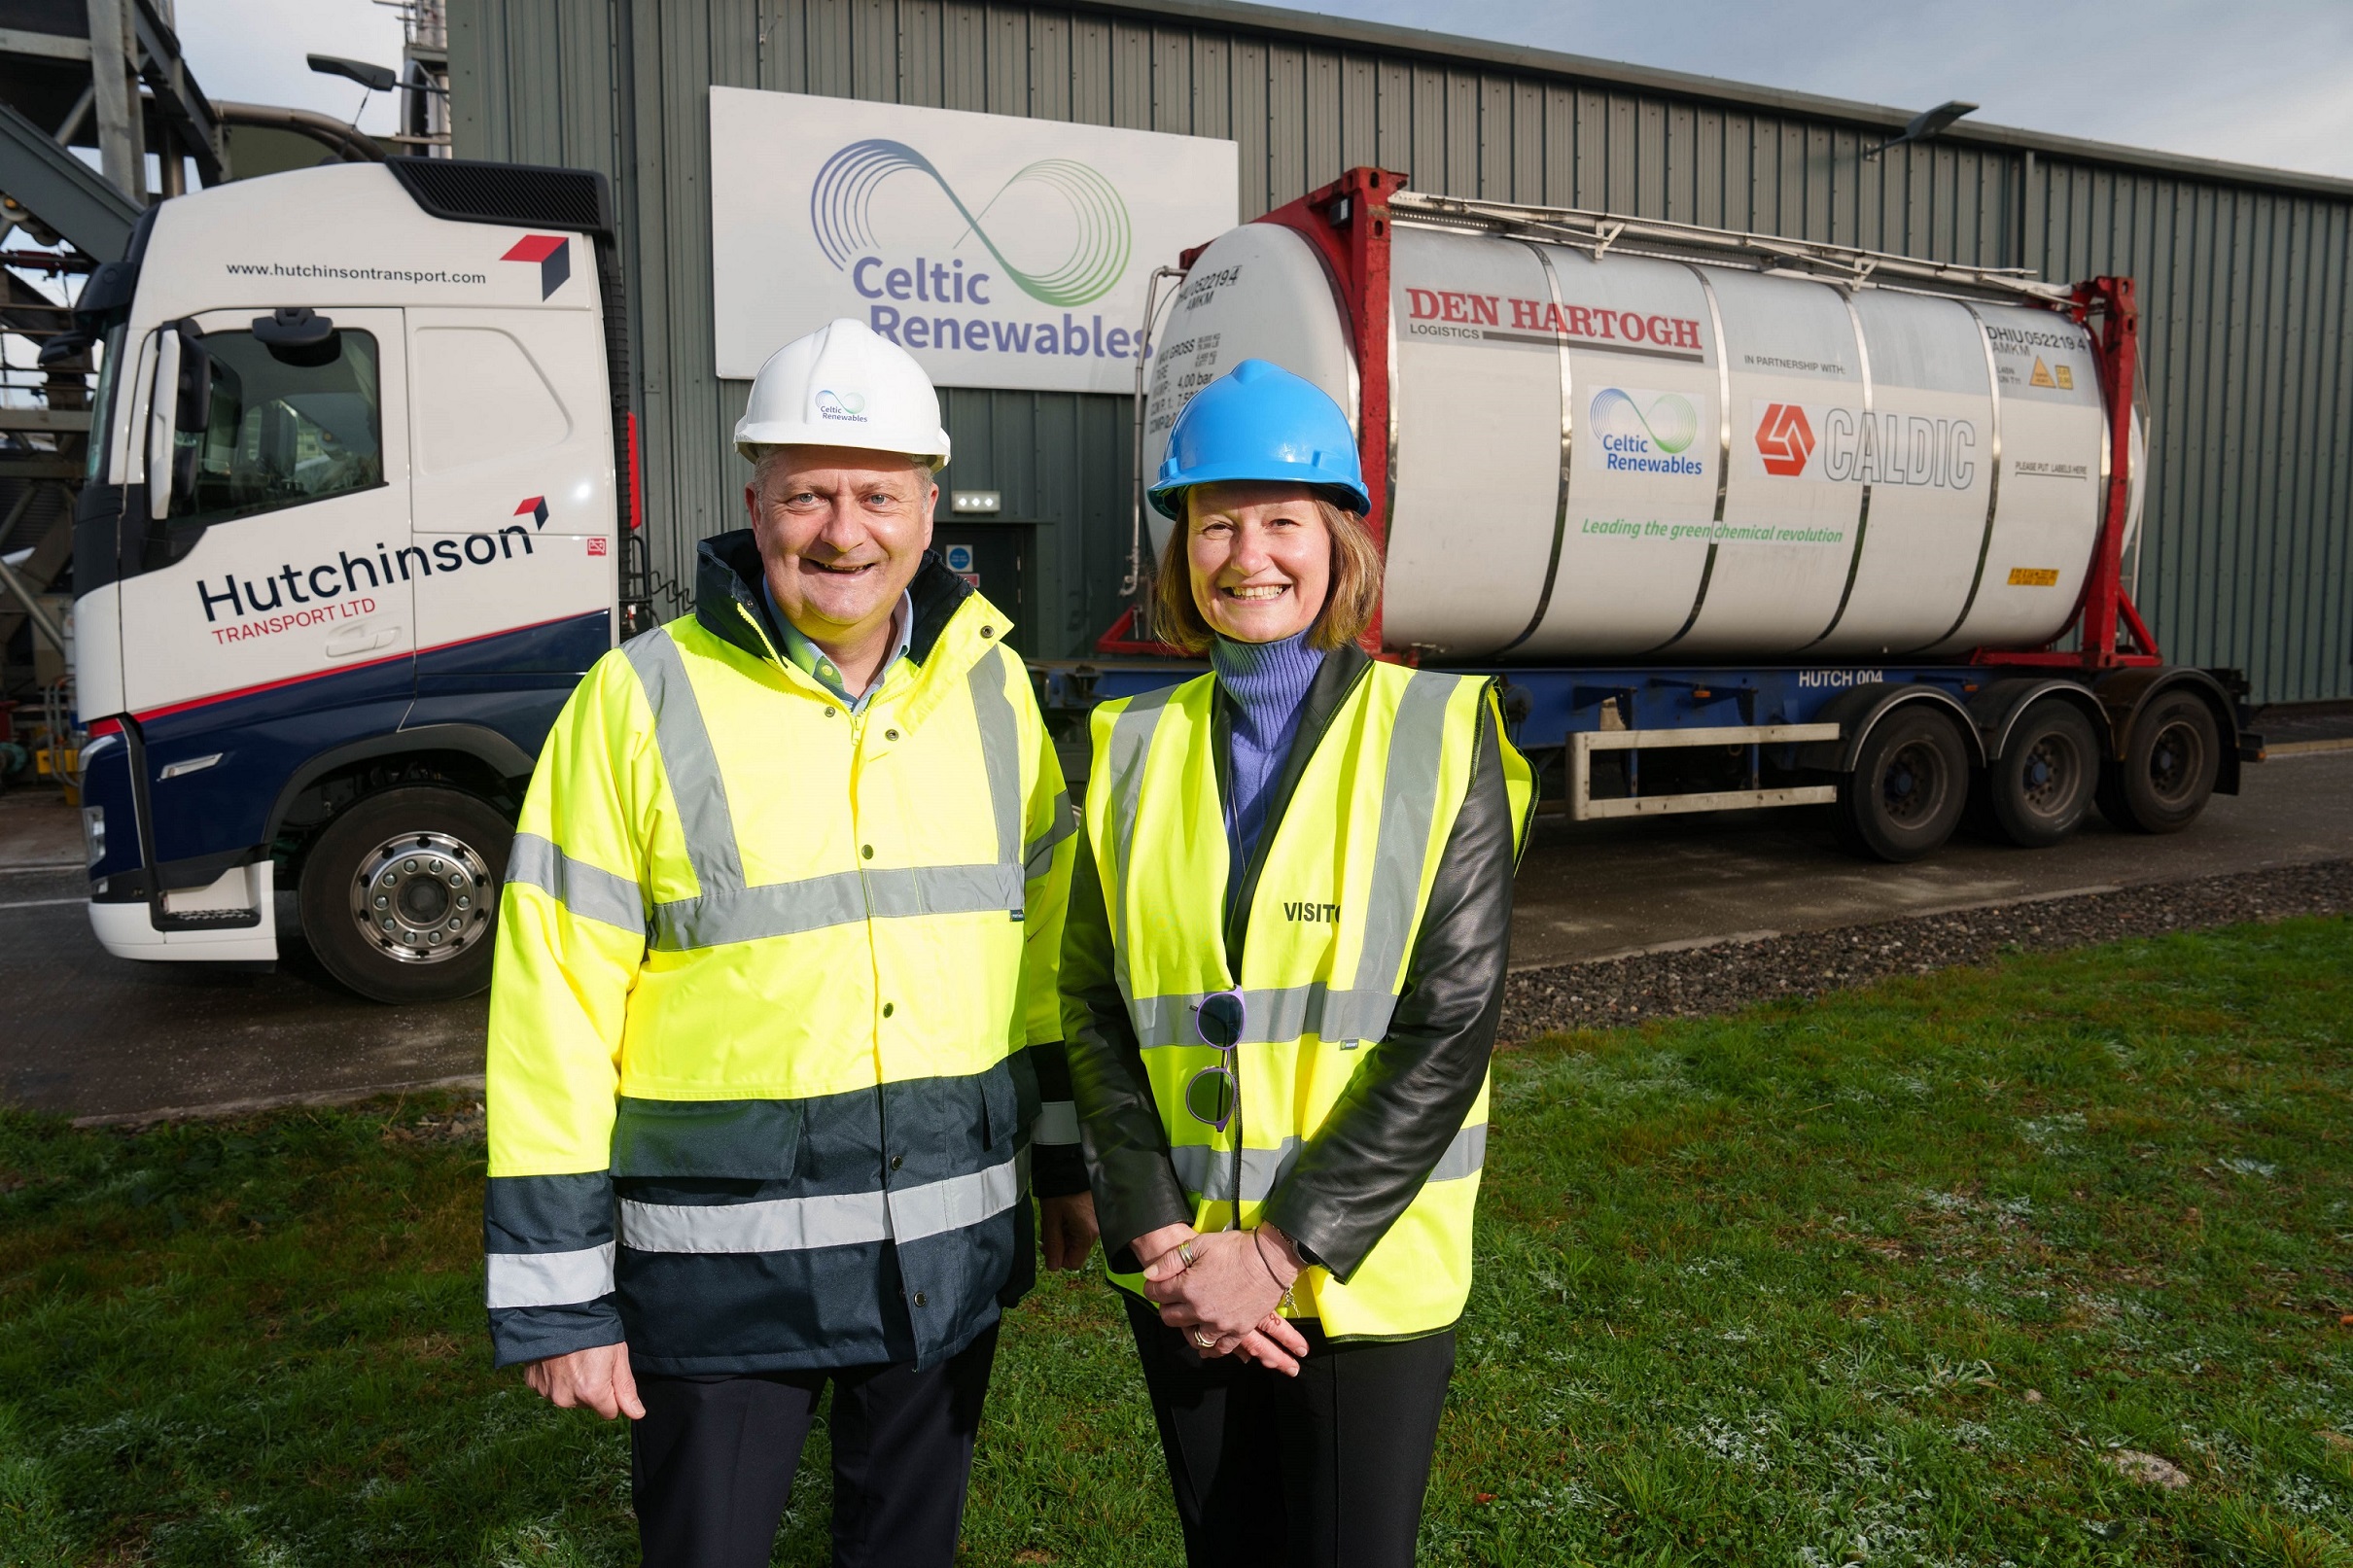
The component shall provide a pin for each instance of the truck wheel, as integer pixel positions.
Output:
(400, 897)
(1910, 784)
(2042, 787)
(2170, 760)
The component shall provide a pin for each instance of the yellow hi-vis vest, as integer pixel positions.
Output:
(765, 971)
(1339, 897)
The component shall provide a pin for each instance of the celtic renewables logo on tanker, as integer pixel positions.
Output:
(1645, 431)
(841, 210)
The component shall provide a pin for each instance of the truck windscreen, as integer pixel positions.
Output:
(102, 437)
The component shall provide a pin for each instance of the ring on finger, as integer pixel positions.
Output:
(1204, 1339)
(1185, 1253)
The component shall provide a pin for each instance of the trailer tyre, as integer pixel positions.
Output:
(2171, 759)
(399, 894)
(2041, 788)
(1909, 784)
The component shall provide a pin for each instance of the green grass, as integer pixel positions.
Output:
(1772, 1288)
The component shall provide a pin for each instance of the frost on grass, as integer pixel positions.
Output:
(2302, 1495)
(2055, 1134)
(1745, 1445)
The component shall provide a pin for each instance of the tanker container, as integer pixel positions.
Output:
(1734, 520)
(1628, 457)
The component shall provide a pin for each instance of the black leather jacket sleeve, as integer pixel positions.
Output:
(1119, 1131)
(1368, 1161)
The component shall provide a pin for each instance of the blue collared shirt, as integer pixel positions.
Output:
(814, 662)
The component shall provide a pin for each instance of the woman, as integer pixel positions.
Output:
(1281, 973)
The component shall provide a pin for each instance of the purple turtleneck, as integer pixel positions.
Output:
(1268, 683)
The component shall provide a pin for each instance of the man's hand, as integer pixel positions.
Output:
(1066, 1228)
(597, 1377)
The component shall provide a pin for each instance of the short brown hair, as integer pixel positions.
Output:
(1349, 603)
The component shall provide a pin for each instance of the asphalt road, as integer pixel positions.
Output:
(1598, 889)
(92, 1035)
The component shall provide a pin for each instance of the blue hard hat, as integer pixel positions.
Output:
(1258, 421)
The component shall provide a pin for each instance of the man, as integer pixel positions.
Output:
(775, 1002)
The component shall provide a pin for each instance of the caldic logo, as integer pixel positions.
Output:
(848, 406)
(1784, 440)
(842, 203)
(1645, 431)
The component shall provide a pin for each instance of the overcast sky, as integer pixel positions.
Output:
(2253, 81)
(2265, 81)
(252, 51)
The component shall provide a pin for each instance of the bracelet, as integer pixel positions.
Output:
(1259, 1248)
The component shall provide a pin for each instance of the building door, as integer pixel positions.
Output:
(995, 558)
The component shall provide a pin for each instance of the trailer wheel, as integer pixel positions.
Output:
(1909, 784)
(2042, 787)
(2171, 758)
(399, 894)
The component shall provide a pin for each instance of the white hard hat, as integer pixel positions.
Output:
(843, 386)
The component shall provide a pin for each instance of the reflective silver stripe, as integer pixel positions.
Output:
(905, 891)
(1057, 1123)
(688, 762)
(1130, 746)
(1409, 804)
(1275, 1015)
(547, 1279)
(939, 1207)
(589, 891)
(1466, 1156)
(749, 914)
(832, 1220)
(777, 1225)
(1208, 1174)
(999, 748)
(838, 898)
(1038, 856)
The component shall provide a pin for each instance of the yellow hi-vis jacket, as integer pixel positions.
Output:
(772, 984)
(1360, 1132)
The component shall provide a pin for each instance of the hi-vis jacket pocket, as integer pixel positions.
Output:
(748, 1139)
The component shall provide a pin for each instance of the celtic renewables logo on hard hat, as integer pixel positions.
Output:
(843, 406)
(841, 210)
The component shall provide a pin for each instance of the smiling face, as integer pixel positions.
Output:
(841, 533)
(1261, 559)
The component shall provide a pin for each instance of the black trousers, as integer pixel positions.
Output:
(711, 1464)
(1317, 1471)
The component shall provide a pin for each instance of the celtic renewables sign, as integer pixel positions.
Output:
(1001, 251)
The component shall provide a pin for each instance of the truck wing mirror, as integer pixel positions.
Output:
(181, 404)
(298, 335)
(66, 346)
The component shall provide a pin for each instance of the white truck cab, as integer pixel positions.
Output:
(352, 533)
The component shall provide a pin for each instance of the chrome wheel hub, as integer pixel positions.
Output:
(422, 897)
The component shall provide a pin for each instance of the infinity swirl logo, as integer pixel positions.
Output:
(841, 212)
(1669, 424)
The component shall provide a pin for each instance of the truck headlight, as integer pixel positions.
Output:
(94, 832)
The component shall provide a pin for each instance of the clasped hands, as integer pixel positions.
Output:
(1228, 1293)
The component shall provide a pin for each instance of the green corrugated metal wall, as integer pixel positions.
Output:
(2242, 273)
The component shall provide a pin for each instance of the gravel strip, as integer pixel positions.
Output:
(1719, 979)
